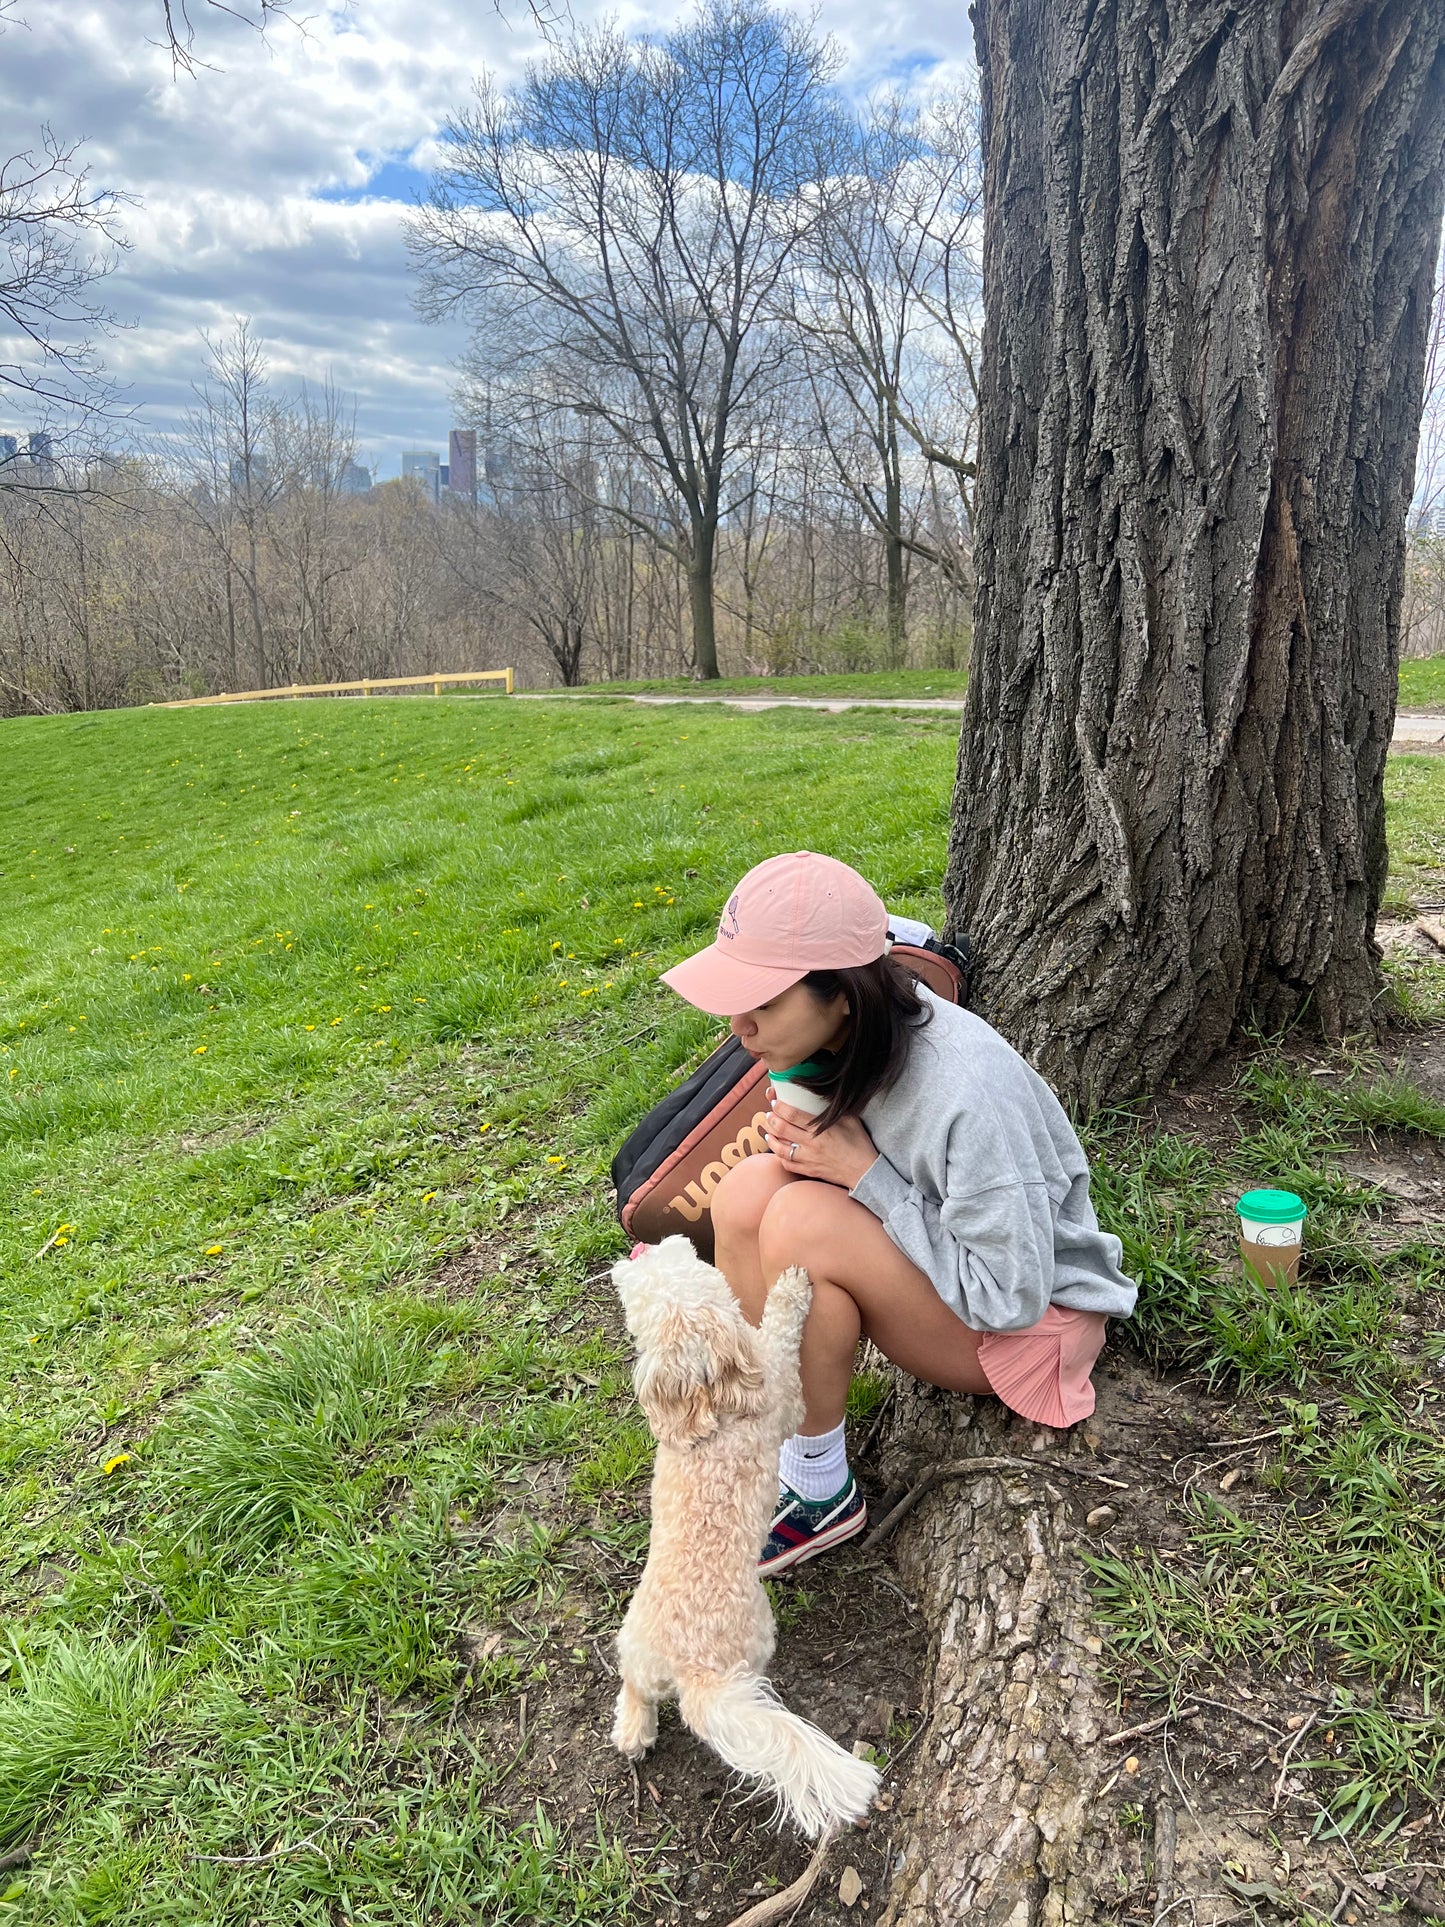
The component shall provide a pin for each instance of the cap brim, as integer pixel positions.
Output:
(723, 986)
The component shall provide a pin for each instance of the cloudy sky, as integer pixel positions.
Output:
(274, 181)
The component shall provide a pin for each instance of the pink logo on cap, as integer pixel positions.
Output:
(789, 915)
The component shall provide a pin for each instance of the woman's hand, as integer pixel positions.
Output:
(839, 1155)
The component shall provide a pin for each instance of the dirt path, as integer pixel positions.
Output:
(1414, 730)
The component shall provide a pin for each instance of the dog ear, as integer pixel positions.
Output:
(703, 1367)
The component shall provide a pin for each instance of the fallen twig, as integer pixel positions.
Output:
(1147, 1726)
(965, 1468)
(878, 1418)
(1289, 1753)
(1165, 1839)
(1224, 1706)
(789, 1899)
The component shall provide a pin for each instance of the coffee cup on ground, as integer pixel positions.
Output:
(1271, 1235)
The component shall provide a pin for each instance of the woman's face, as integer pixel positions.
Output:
(792, 1027)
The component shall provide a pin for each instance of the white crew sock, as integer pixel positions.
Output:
(816, 1466)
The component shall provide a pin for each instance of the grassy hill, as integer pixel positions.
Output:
(319, 1025)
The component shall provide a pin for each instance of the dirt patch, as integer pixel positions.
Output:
(850, 1655)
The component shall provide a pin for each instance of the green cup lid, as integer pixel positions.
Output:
(810, 1069)
(1271, 1207)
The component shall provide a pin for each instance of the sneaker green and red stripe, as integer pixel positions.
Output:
(802, 1528)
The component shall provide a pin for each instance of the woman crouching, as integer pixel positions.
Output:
(939, 1198)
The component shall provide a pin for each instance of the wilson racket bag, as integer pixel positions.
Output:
(666, 1172)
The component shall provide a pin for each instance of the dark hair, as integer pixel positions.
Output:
(884, 1009)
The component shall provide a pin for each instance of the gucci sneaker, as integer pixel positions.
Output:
(804, 1527)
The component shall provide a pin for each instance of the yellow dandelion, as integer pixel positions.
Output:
(484, 1127)
(427, 1196)
(200, 1050)
(214, 1251)
(556, 1160)
(111, 1465)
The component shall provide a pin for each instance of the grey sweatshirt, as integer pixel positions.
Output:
(981, 1181)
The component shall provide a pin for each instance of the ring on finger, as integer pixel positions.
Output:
(792, 1150)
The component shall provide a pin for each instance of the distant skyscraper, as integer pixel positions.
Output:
(355, 479)
(462, 450)
(424, 467)
(9, 449)
(252, 478)
(41, 450)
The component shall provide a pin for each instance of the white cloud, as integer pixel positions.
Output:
(274, 181)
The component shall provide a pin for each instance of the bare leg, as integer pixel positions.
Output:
(738, 1205)
(862, 1284)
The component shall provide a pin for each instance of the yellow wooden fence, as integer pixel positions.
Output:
(504, 676)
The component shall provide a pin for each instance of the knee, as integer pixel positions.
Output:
(743, 1196)
(796, 1223)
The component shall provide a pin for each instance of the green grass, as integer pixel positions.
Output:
(298, 1004)
(943, 685)
(1415, 800)
(1422, 681)
(1343, 1574)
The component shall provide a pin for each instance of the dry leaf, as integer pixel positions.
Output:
(850, 1886)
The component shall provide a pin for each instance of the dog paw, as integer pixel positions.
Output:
(794, 1294)
(634, 1727)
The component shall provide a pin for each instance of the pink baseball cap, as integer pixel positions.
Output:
(789, 915)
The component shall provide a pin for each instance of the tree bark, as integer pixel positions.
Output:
(1000, 1824)
(1210, 231)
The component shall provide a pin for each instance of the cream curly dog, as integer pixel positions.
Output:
(720, 1397)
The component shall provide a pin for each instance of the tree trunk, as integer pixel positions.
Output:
(894, 564)
(700, 594)
(1210, 231)
(1000, 1823)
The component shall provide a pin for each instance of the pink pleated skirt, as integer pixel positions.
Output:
(1044, 1373)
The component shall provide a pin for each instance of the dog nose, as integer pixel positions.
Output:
(638, 1249)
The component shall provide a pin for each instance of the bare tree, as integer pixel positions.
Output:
(57, 240)
(888, 312)
(622, 223)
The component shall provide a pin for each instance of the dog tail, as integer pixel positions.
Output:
(816, 1782)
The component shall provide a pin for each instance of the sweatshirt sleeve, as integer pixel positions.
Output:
(989, 1253)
